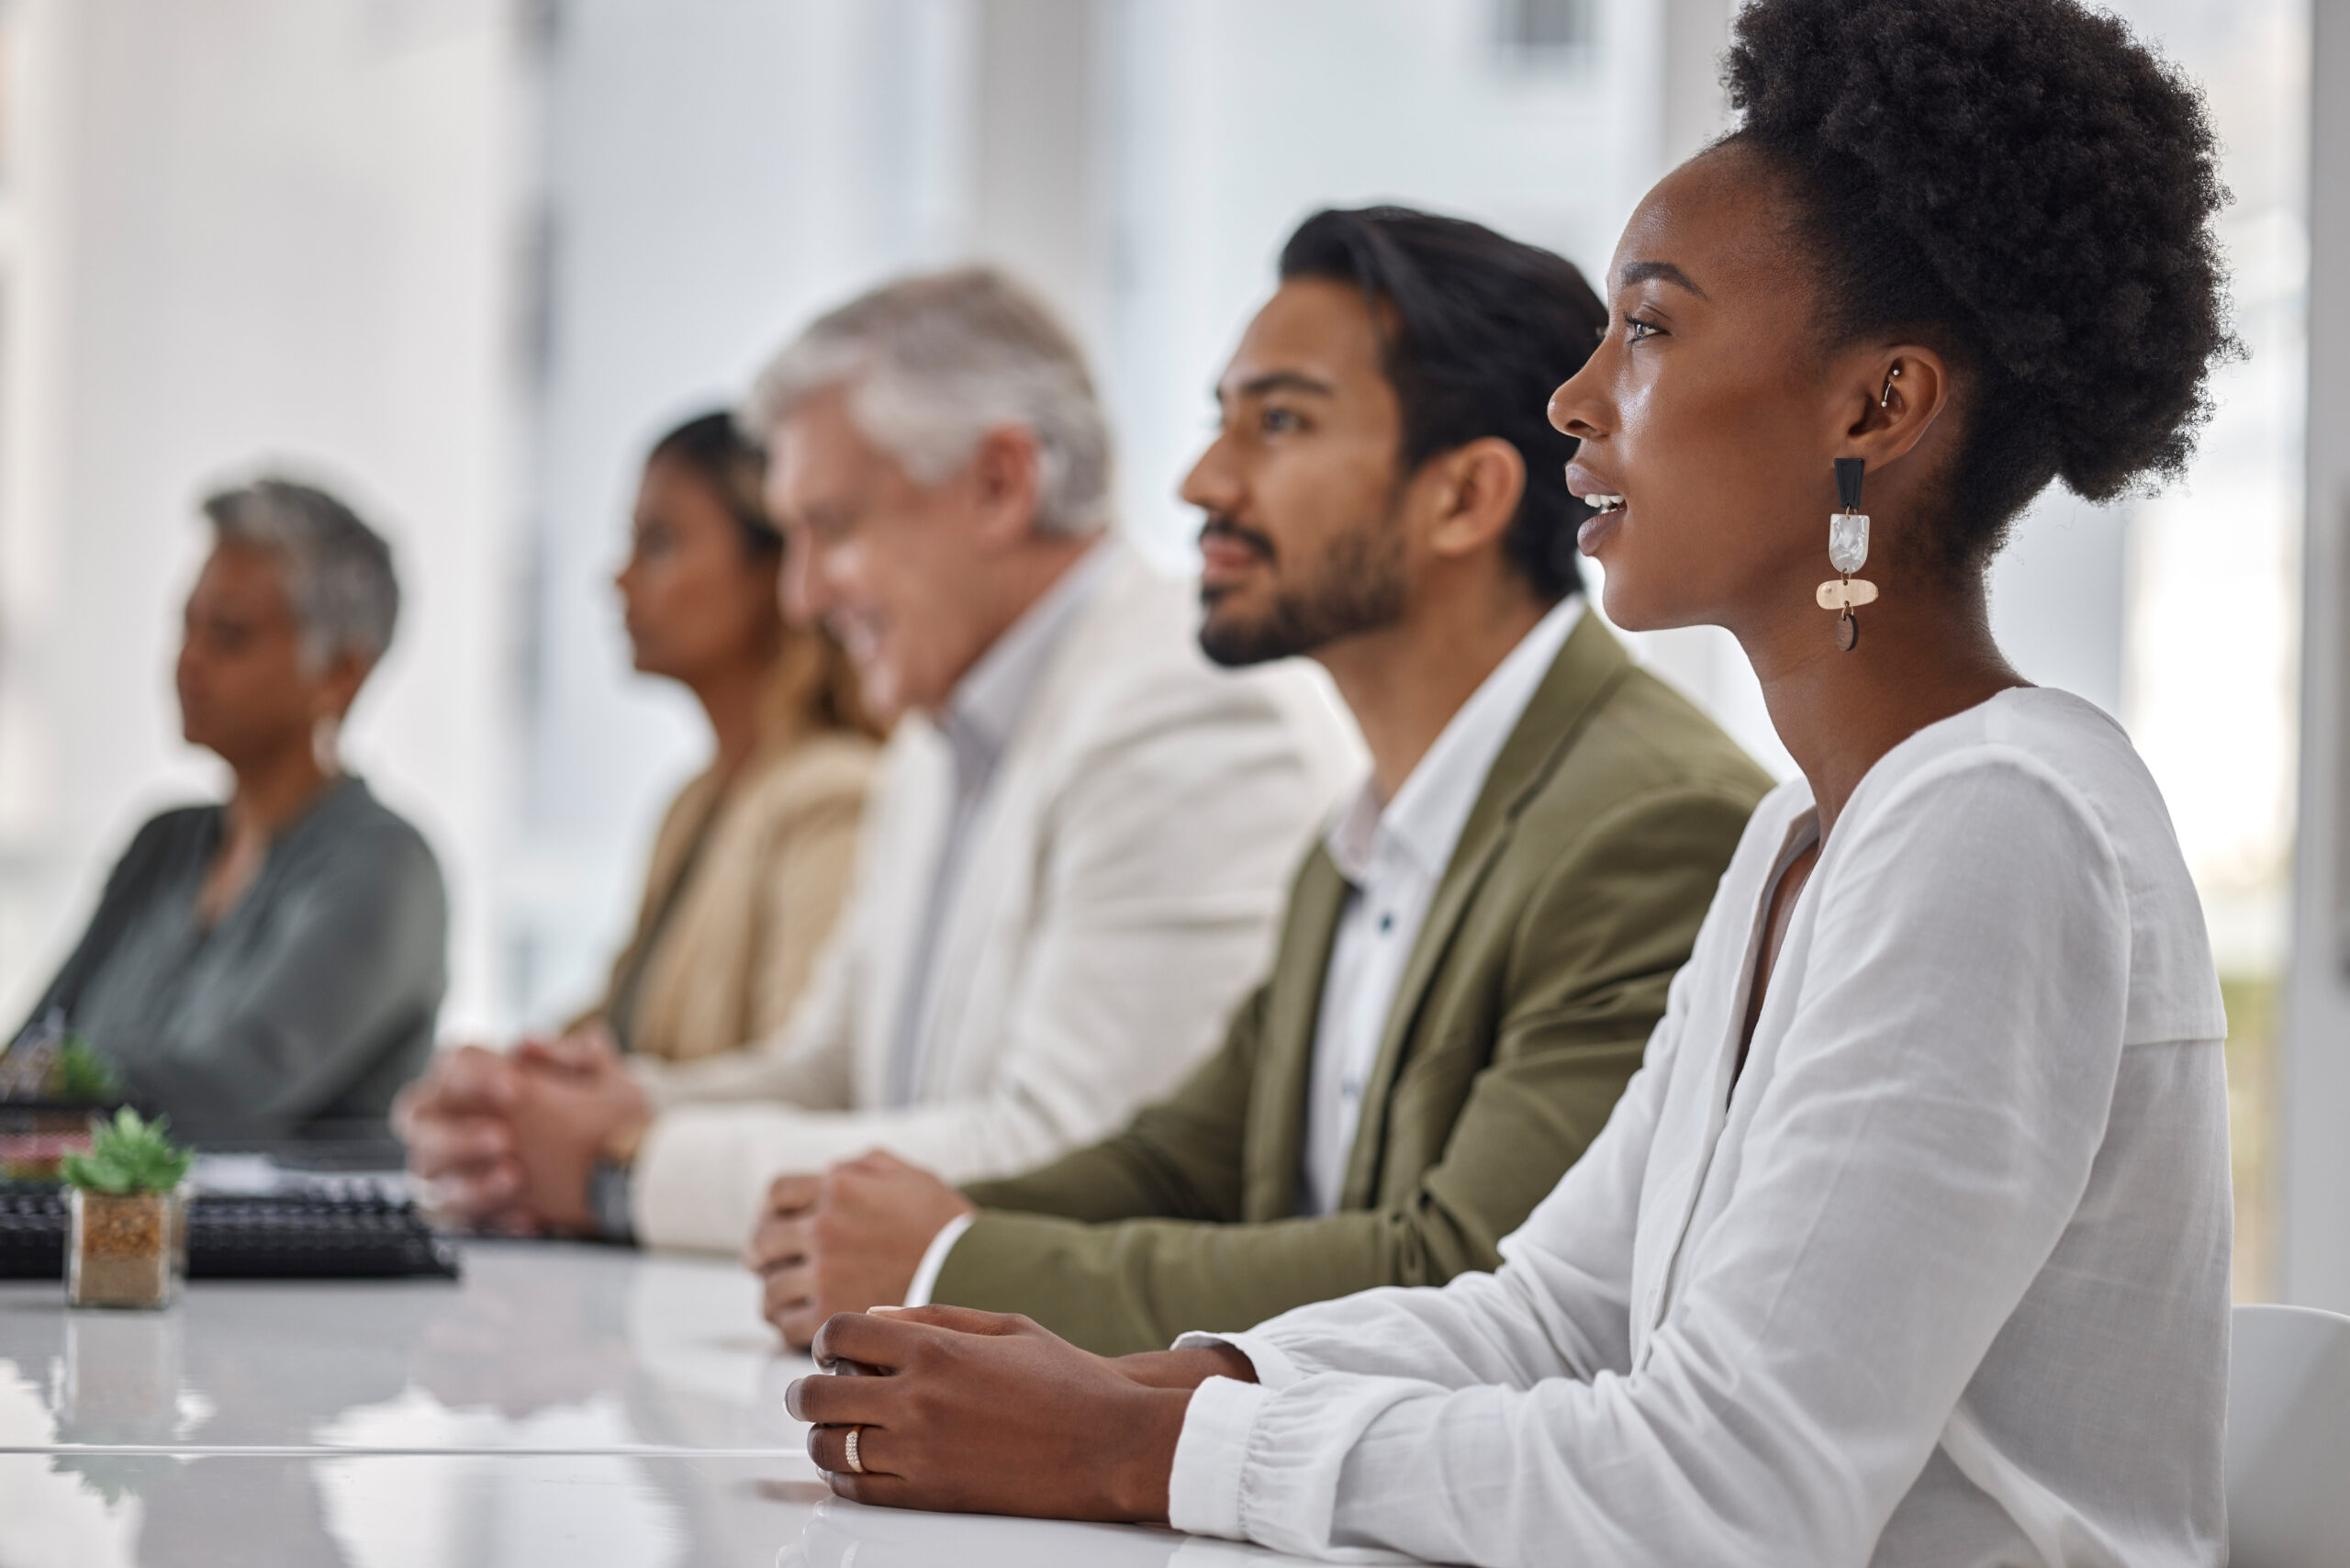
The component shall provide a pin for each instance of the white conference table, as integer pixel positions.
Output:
(560, 1404)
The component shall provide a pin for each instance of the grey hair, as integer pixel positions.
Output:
(931, 364)
(338, 570)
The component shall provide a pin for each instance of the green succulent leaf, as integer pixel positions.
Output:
(82, 1074)
(128, 1154)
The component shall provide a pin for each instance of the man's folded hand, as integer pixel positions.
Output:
(851, 1238)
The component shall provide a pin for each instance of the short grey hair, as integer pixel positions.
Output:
(338, 570)
(931, 364)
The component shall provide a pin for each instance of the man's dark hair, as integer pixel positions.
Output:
(1478, 331)
(2024, 187)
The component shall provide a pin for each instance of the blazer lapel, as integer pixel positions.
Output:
(1284, 1068)
(1590, 664)
(993, 893)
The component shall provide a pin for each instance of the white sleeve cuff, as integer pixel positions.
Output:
(1203, 1489)
(934, 1257)
(1273, 1368)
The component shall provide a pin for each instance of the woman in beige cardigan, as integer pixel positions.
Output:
(753, 859)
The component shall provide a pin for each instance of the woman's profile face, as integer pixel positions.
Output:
(1707, 408)
(695, 599)
(243, 688)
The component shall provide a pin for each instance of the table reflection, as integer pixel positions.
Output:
(844, 1534)
(538, 1346)
(523, 1510)
(121, 1384)
(413, 1511)
(592, 1353)
(561, 1404)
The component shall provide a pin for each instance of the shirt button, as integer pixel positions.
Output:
(1387, 923)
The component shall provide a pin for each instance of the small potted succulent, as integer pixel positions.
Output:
(52, 1080)
(128, 1245)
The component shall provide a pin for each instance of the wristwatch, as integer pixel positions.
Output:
(609, 1183)
(608, 1194)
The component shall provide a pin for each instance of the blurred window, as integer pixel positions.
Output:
(2212, 653)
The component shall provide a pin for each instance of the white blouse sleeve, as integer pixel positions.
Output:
(1923, 1140)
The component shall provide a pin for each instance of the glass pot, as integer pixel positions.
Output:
(126, 1248)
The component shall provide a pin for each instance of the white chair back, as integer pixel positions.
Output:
(2288, 1439)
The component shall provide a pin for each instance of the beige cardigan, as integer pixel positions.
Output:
(767, 868)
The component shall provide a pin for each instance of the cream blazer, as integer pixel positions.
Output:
(1119, 898)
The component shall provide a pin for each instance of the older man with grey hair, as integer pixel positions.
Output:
(271, 968)
(1072, 867)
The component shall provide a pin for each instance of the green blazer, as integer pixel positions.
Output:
(1574, 893)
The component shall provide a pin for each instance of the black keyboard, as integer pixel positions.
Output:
(339, 1230)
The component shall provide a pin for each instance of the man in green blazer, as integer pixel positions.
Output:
(1473, 959)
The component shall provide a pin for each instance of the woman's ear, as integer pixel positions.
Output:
(1895, 397)
(338, 686)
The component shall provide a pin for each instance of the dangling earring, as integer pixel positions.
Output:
(1848, 551)
(326, 738)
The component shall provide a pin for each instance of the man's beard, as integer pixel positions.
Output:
(1357, 586)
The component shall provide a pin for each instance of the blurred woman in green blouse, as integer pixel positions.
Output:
(271, 967)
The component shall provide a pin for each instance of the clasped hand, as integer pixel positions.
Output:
(848, 1240)
(508, 1141)
(979, 1412)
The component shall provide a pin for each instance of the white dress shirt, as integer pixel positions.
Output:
(1941, 1280)
(1393, 855)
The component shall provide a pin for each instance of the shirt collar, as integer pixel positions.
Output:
(1426, 819)
(987, 703)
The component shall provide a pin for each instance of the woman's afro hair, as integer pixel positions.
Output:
(2023, 187)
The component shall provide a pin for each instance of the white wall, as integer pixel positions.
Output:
(1235, 120)
(718, 169)
(1229, 122)
(715, 172)
(245, 232)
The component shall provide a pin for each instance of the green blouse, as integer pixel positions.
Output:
(308, 1006)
